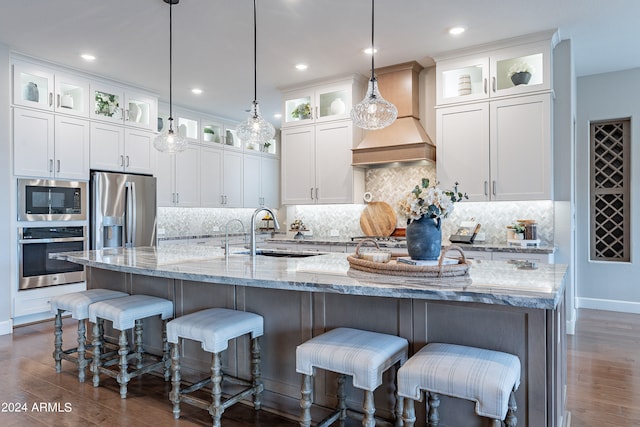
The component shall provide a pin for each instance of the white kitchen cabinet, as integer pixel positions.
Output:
(178, 178)
(261, 181)
(497, 150)
(316, 165)
(122, 106)
(221, 178)
(484, 73)
(329, 100)
(35, 304)
(50, 146)
(47, 89)
(121, 149)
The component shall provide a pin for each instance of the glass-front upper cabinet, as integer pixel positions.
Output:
(212, 132)
(231, 139)
(116, 105)
(107, 103)
(520, 69)
(187, 125)
(321, 102)
(45, 89)
(140, 110)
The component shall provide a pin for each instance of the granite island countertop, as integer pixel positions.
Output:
(490, 282)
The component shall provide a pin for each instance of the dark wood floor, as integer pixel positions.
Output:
(603, 383)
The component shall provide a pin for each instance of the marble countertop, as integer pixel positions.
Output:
(490, 282)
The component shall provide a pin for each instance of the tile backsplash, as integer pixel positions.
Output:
(387, 184)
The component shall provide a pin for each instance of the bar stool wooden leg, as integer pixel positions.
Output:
(216, 408)
(434, 415)
(342, 399)
(409, 413)
(57, 353)
(369, 409)
(82, 351)
(97, 346)
(399, 399)
(165, 352)
(305, 401)
(138, 342)
(174, 396)
(123, 375)
(256, 374)
(511, 420)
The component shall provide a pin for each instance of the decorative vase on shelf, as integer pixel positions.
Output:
(521, 78)
(424, 238)
(30, 92)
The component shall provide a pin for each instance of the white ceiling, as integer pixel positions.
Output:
(213, 39)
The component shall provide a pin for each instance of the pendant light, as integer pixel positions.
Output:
(255, 131)
(373, 112)
(169, 141)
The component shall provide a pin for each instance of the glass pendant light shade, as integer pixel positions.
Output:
(373, 112)
(255, 131)
(170, 141)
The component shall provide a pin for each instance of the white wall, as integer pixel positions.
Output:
(6, 261)
(606, 285)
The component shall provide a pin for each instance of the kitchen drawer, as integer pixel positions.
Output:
(36, 301)
(516, 256)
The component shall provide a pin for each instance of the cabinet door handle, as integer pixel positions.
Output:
(177, 198)
(50, 99)
(486, 188)
(50, 165)
(127, 161)
(494, 188)
(316, 193)
(121, 160)
(58, 100)
(493, 83)
(311, 189)
(317, 116)
(58, 166)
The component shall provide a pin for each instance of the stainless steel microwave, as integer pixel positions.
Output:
(51, 200)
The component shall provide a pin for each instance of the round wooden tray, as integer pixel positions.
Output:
(395, 268)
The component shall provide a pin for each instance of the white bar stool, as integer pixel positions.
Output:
(77, 303)
(214, 328)
(487, 377)
(127, 313)
(361, 354)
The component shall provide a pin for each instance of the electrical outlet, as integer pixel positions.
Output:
(334, 233)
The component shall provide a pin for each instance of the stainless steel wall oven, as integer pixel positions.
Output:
(34, 246)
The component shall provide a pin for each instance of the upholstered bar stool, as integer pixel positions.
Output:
(76, 303)
(127, 313)
(364, 355)
(214, 328)
(487, 377)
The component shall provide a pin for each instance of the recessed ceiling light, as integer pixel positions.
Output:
(455, 31)
(196, 91)
(302, 67)
(88, 57)
(277, 115)
(370, 51)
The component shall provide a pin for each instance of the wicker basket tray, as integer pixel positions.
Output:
(395, 268)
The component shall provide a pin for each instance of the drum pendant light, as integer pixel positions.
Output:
(255, 131)
(373, 112)
(169, 141)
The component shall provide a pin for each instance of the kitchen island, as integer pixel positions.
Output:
(500, 306)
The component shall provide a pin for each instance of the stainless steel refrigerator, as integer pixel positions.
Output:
(123, 210)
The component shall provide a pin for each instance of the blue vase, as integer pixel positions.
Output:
(424, 238)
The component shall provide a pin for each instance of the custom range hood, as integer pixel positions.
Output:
(405, 140)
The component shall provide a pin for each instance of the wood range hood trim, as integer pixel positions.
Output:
(405, 140)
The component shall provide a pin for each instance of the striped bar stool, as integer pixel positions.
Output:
(487, 377)
(361, 354)
(214, 328)
(77, 303)
(127, 313)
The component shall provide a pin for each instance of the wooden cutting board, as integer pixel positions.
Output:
(378, 219)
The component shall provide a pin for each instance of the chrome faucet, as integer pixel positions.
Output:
(252, 242)
(226, 235)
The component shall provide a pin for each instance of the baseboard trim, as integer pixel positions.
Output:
(609, 305)
(6, 327)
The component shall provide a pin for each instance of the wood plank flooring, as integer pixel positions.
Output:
(603, 383)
